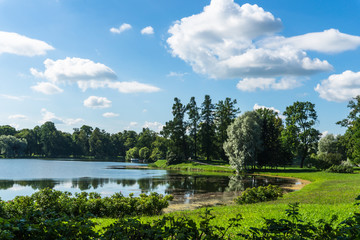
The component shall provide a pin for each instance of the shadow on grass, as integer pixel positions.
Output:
(286, 170)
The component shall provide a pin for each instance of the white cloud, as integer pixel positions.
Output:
(122, 28)
(15, 43)
(18, 116)
(122, 87)
(86, 74)
(328, 41)
(147, 30)
(47, 88)
(144, 110)
(257, 106)
(228, 41)
(156, 126)
(49, 116)
(97, 102)
(340, 87)
(73, 70)
(176, 74)
(253, 84)
(110, 115)
(11, 97)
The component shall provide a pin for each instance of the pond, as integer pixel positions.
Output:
(25, 176)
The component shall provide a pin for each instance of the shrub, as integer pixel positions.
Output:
(340, 169)
(325, 160)
(259, 194)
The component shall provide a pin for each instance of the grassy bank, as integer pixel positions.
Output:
(327, 194)
(194, 166)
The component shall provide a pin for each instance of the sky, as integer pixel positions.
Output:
(118, 65)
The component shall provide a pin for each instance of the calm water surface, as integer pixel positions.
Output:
(25, 176)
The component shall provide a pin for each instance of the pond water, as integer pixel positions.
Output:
(25, 176)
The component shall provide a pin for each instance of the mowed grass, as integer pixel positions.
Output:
(326, 195)
(193, 166)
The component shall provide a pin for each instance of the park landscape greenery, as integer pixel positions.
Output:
(213, 137)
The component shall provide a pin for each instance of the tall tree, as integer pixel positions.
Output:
(193, 125)
(300, 133)
(244, 141)
(351, 137)
(50, 139)
(225, 114)
(273, 150)
(176, 131)
(207, 129)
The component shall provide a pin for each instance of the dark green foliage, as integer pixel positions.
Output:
(300, 135)
(340, 169)
(351, 138)
(207, 129)
(259, 194)
(175, 130)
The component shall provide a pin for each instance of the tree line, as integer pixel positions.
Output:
(211, 131)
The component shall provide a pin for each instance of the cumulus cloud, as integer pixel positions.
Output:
(46, 88)
(147, 30)
(110, 115)
(228, 41)
(49, 116)
(86, 74)
(73, 70)
(156, 126)
(122, 28)
(97, 102)
(340, 87)
(18, 116)
(15, 43)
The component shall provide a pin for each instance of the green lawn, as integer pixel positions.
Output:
(327, 194)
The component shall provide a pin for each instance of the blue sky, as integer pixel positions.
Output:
(118, 65)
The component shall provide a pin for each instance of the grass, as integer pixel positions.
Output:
(193, 166)
(327, 194)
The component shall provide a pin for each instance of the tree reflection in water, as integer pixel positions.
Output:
(180, 185)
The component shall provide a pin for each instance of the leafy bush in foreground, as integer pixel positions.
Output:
(54, 204)
(259, 194)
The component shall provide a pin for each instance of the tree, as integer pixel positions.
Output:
(207, 129)
(11, 146)
(225, 114)
(175, 130)
(273, 150)
(300, 134)
(244, 141)
(50, 140)
(7, 130)
(144, 153)
(351, 138)
(100, 145)
(132, 153)
(193, 125)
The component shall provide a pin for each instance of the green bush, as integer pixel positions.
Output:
(259, 194)
(340, 169)
(54, 204)
(324, 161)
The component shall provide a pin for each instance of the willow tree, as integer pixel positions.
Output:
(244, 141)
